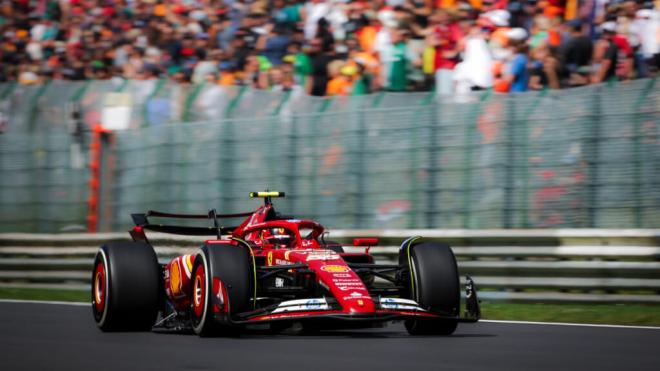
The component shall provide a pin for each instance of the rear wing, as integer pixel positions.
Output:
(142, 222)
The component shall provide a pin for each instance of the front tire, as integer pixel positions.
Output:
(126, 284)
(232, 265)
(432, 276)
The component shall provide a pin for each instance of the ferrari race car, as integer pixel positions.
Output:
(273, 271)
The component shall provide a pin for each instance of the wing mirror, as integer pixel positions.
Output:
(368, 242)
(365, 241)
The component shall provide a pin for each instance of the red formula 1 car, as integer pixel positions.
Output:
(275, 270)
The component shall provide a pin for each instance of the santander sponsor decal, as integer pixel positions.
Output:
(335, 269)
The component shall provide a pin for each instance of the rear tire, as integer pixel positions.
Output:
(126, 287)
(233, 266)
(432, 276)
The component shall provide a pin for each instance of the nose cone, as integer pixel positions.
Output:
(358, 304)
(344, 284)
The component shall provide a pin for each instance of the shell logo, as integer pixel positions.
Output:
(335, 268)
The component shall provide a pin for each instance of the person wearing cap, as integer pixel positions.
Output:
(340, 78)
(498, 22)
(605, 54)
(518, 72)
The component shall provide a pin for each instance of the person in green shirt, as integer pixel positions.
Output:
(362, 83)
(396, 63)
(302, 66)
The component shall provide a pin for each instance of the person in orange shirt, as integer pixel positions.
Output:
(340, 80)
(366, 35)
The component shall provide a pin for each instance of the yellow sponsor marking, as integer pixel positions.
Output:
(334, 268)
(175, 279)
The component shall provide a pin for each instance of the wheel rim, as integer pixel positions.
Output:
(199, 291)
(99, 287)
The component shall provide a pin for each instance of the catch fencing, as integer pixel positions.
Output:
(580, 158)
(582, 265)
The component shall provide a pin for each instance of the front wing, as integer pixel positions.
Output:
(387, 309)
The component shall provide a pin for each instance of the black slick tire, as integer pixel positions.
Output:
(232, 265)
(126, 287)
(434, 284)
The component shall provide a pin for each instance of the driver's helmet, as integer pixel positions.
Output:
(280, 238)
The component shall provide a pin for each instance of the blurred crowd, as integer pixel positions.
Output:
(333, 47)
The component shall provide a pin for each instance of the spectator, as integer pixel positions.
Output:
(319, 60)
(395, 62)
(606, 54)
(475, 71)
(446, 36)
(575, 55)
(273, 44)
(518, 73)
(340, 81)
(646, 27)
(386, 44)
(545, 68)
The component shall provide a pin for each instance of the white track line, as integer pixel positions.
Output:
(569, 324)
(483, 320)
(73, 303)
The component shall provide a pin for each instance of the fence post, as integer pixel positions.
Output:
(34, 108)
(511, 124)
(8, 90)
(145, 111)
(360, 168)
(121, 86)
(272, 147)
(227, 155)
(517, 141)
(433, 151)
(637, 148)
(592, 157)
(190, 100)
(291, 188)
(234, 102)
(314, 179)
(470, 128)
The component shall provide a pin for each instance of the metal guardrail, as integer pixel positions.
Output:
(512, 265)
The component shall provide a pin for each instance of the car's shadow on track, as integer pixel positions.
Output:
(290, 335)
(300, 334)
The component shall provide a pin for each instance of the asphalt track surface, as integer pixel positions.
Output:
(64, 337)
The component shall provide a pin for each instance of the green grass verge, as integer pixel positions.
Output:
(615, 314)
(44, 294)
